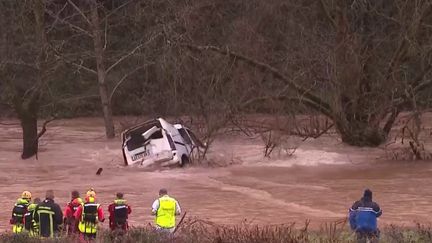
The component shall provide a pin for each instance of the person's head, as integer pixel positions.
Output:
(367, 194)
(119, 195)
(90, 196)
(75, 194)
(49, 194)
(37, 200)
(26, 195)
(163, 192)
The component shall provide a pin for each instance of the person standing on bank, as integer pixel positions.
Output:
(119, 212)
(18, 212)
(48, 215)
(30, 225)
(165, 209)
(70, 223)
(88, 216)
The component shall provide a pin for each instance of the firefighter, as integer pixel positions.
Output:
(49, 216)
(69, 219)
(88, 215)
(119, 211)
(18, 212)
(29, 223)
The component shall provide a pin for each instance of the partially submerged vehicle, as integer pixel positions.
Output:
(159, 142)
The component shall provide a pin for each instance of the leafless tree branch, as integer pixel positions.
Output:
(72, 26)
(125, 78)
(79, 11)
(312, 100)
(130, 53)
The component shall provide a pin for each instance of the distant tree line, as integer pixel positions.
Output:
(357, 62)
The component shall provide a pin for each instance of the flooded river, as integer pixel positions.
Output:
(319, 182)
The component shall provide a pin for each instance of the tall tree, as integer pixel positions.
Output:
(26, 64)
(110, 56)
(357, 62)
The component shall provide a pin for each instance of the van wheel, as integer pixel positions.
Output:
(184, 161)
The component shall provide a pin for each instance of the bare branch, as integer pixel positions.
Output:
(71, 99)
(79, 66)
(121, 59)
(324, 131)
(115, 10)
(327, 13)
(405, 99)
(123, 79)
(300, 99)
(72, 26)
(124, 57)
(390, 121)
(422, 85)
(56, 17)
(42, 132)
(20, 63)
(79, 11)
(105, 35)
(312, 100)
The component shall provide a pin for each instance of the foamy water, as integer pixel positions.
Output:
(318, 182)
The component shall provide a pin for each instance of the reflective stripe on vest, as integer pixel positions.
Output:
(120, 202)
(17, 228)
(165, 216)
(34, 225)
(50, 213)
(21, 204)
(88, 227)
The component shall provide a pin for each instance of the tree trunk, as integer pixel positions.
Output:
(359, 132)
(101, 71)
(28, 120)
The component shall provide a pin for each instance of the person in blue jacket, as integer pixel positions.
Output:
(363, 218)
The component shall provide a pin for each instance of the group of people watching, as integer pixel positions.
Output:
(81, 217)
(46, 219)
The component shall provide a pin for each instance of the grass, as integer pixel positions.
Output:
(206, 232)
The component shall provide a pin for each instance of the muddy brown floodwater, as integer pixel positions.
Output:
(319, 182)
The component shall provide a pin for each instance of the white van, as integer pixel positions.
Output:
(157, 141)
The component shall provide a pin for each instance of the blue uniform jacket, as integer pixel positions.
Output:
(363, 215)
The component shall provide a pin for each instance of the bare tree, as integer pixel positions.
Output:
(93, 21)
(356, 62)
(26, 65)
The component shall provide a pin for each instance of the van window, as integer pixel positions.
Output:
(135, 141)
(185, 136)
(171, 142)
(156, 135)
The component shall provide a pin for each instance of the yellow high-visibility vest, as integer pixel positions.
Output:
(86, 226)
(34, 228)
(165, 216)
(17, 228)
